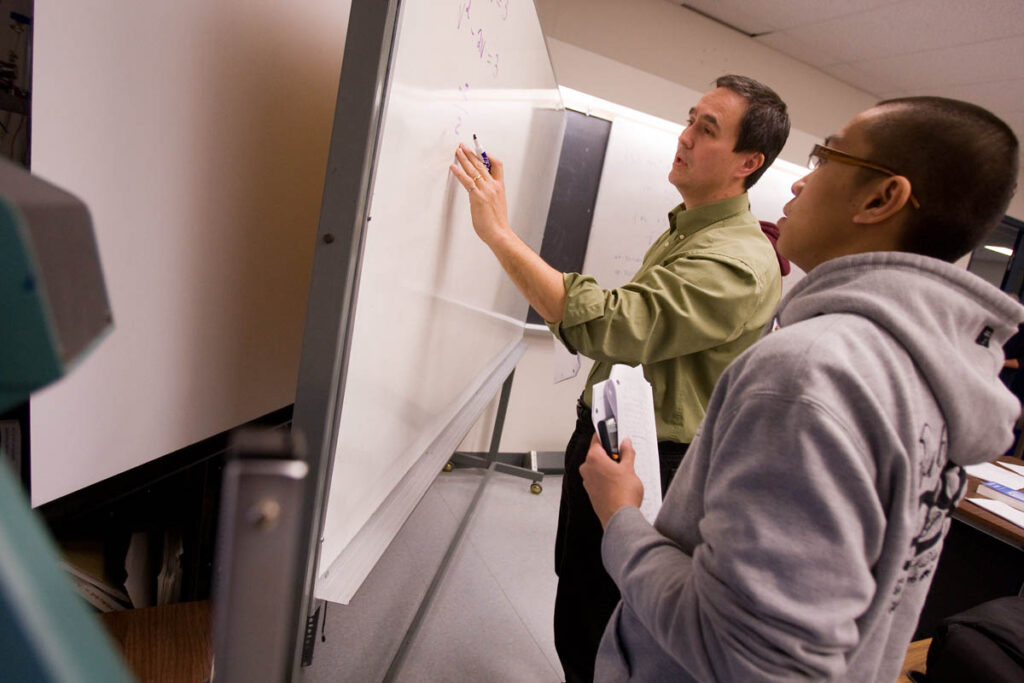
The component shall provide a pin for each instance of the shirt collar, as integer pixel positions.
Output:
(688, 221)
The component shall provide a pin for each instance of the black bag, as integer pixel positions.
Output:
(983, 644)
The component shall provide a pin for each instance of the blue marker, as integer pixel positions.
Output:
(481, 153)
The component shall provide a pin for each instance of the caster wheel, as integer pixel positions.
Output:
(448, 466)
(536, 488)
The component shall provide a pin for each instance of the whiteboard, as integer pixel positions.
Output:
(435, 311)
(634, 199)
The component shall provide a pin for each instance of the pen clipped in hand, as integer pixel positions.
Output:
(609, 435)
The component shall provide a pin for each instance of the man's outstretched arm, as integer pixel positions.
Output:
(542, 285)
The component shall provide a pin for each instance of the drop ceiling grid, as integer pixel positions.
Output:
(996, 61)
(907, 28)
(772, 15)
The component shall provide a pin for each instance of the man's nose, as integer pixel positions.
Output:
(685, 137)
(798, 186)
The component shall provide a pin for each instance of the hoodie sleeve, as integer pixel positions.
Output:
(790, 529)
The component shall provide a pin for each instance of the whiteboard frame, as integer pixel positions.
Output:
(327, 336)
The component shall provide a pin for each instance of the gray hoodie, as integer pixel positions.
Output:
(799, 538)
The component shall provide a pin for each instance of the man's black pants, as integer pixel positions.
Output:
(586, 594)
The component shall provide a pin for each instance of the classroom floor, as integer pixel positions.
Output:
(490, 619)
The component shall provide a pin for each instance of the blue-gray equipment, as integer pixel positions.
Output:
(53, 310)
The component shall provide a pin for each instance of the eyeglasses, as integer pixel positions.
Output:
(820, 154)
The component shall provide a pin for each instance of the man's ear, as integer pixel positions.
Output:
(752, 162)
(882, 200)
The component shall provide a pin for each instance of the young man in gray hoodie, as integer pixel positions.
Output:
(799, 538)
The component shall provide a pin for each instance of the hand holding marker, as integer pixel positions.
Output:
(481, 153)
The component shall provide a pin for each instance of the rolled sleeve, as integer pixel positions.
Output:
(694, 302)
(584, 301)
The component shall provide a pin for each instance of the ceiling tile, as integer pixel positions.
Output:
(774, 15)
(997, 60)
(870, 80)
(913, 26)
(806, 48)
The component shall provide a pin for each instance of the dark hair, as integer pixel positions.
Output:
(962, 163)
(765, 124)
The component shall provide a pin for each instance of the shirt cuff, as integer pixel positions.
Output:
(556, 329)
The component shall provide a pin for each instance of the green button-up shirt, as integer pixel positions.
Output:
(704, 291)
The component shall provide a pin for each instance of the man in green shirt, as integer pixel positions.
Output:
(704, 291)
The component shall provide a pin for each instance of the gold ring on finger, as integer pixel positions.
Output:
(476, 178)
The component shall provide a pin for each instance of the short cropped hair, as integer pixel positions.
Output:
(765, 124)
(961, 161)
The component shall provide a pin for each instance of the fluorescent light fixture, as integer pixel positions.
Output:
(1005, 251)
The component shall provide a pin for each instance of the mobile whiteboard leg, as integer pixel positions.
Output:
(257, 578)
(490, 460)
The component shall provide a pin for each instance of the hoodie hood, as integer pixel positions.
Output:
(951, 322)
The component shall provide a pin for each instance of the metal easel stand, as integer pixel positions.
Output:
(491, 464)
(490, 460)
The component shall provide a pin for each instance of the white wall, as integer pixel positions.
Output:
(197, 134)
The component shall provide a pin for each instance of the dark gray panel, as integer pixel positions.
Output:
(572, 202)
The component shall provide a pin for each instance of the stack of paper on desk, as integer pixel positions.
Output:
(627, 398)
(988, 471)
(1019, 469)
(998, 476)
(1002, 509)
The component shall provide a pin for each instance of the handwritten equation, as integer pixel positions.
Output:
(469, 24)
(478, 35)
(463, 111)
